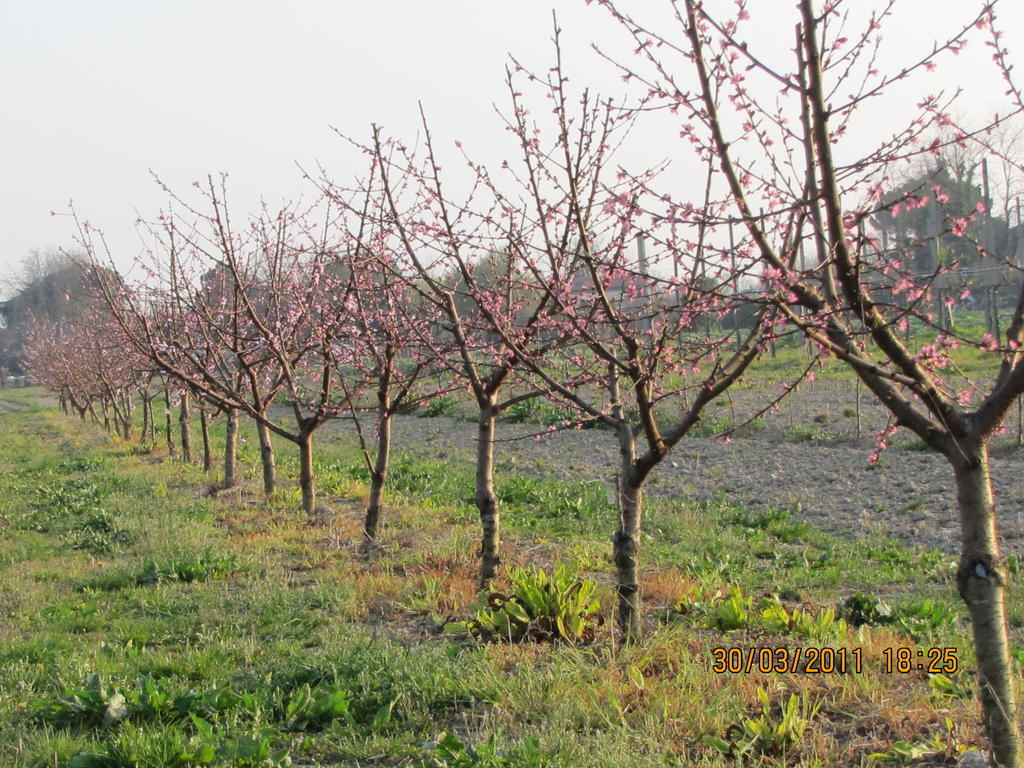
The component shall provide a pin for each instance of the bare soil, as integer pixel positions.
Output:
(808, 456)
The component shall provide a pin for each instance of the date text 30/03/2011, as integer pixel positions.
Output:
(831, 661)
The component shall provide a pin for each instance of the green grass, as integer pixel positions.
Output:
(188, 630)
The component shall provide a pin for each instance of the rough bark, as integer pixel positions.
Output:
(982, 579)
(306, 476)
(171, 450)
(184, 419)
(486, 498)
(267, 460)
(204, 426)
(147, 415)
(371, 524)
(230, 447)
(127, 423)
(627, 536)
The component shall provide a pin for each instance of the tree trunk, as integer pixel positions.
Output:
(626, 543)
(171, 451)
(306, 476)
(105, 406)
(267, 458)
(486, 498)
(230, 447)
(371, 524)
(127, 407)
(184, 419)
(204, 426)
(982, 578)
(146, 416)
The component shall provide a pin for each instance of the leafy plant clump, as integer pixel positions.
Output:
(864, 608)
(735, 610)
(95, 704)
(188, 567)
(442, 405)
(541, 606)
(538, 411)
(73, 510)
(919, 620)
(450, 752)
(770, 732)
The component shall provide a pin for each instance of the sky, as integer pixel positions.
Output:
(99, 96)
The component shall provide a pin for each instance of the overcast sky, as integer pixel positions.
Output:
(97, 94)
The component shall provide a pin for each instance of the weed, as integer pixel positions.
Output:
(94, 704)
(770, 732)
(732, 612)
(863, 608)
(917, 445)
(906, 753)
(539, 411)
(713, 426)
(243, 751)
(135, 746)
(924, 619)
(540, 607)
(803, 433)
(312, 709)
(188, 566)
(450, 752)
(945, 687)
(535, 502)
(442, 405)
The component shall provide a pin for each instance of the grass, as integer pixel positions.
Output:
(188, 630)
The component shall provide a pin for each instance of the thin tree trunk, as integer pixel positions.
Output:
(982, 578)
(171, 450)
(105, 406)
(230, 447)
(127, 406)
(627, 537)
(146, 416)
(306, 476)
(184, 419)
(204, 425)
(486, 498)
(371, 524)
(122, 416)
(267, 458)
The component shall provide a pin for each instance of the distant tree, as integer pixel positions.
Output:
(913, 217)
(48, 288)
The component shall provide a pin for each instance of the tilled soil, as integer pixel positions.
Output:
(806, 456)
